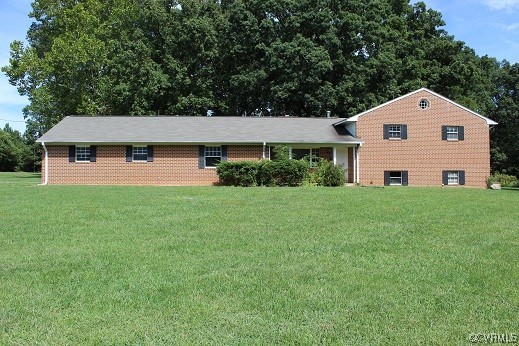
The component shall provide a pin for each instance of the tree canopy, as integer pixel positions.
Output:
(251, 57)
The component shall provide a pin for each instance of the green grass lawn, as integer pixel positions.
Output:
(221, 265)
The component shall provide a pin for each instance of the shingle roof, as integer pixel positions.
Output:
(177, 130)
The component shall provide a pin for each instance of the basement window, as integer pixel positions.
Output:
(396, 178)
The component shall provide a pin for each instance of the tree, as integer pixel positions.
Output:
(505, 110)
(248, 57)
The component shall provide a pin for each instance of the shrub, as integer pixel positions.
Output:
(266, 173)
(503, 179)
(282, 172)
(329, 174)
(289, 172)
(242, 173)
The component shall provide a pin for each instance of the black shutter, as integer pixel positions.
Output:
(224, 153)
(386, 131)
(461, 177)
(445, 177)
(405, 178)
(403, 134)
(201, 157)
(461, 133)
(386, 178)
(93, 153)
(72, 153)
(444, 133)
(129, 153)
(150, 153)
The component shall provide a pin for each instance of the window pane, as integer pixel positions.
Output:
(212, 161)
(140, 153)
(213, 151)
(452, 132)
(82, 153)
(213, 156)
(314, 157)
(453, 178)
(298, 154)
(395, 131)
(395, 178)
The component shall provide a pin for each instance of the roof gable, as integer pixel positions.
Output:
(356, 117)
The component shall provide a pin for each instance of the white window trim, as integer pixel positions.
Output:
(451, 132)
(457, 177)
(398, 131)
(206, 156)
(76, 154)
(133, 153)
(400, 184)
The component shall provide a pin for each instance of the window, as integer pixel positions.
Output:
(210, 156)
(453, 133)
(140, 153)
(213, 156)
(453, 177)
(424, 104)
(311, 154)
(396, 178)
(82, 154)
(395, 131)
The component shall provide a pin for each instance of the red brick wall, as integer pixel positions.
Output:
(351, 166)
(172, 165)
(424, 154)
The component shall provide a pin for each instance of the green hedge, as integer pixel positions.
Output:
(280, 172)
(243, 173)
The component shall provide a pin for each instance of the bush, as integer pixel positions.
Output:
(329, 174)
(242, 173)
(266, 173)
(503, 179)
(280, 172)
(289, 172)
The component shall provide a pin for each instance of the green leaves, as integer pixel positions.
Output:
(242, 57)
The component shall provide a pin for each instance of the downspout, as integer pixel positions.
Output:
(357, 156)
(46, 176)
(264, 145)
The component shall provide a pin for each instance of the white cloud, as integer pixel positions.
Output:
(512, 27)
(501, 4)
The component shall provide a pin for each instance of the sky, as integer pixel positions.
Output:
(490, 27)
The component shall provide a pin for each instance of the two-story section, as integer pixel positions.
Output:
(422, 139)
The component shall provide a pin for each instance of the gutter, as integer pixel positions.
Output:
(46, 177)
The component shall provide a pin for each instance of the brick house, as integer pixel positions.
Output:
(418, 139)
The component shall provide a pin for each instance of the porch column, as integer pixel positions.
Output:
(334, 155)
